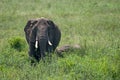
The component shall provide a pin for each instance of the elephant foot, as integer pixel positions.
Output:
(33, 63)
(43, 59)
(37, 58)
(49, 57)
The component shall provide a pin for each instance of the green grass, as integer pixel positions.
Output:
(93, 24)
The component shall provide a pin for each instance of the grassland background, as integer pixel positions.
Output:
(93, 24)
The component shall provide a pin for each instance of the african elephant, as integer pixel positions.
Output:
(42, 35)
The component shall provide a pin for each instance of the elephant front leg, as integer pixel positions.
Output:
(32, 52)
(50, 50)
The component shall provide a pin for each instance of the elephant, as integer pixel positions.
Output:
(42, 36)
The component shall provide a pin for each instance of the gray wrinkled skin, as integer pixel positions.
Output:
(45, 33)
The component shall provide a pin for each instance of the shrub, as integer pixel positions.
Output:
(17, 43)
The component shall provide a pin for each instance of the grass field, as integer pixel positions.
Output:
(93, 24)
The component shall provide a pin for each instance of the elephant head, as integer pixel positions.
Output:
(42, 35)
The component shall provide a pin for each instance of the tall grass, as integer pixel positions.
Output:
(93, 24)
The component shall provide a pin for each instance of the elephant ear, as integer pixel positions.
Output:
(56, 33)
(27, 25)
(30, 24)
(51, 24)
(28, 28)
(51, 30)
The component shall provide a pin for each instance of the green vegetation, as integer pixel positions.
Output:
(17, 43)
(94, 24)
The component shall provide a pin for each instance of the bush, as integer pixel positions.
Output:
(17, 43)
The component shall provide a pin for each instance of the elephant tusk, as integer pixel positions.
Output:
(49, 43)
(36, 44)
